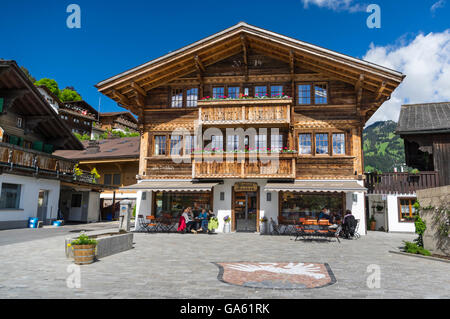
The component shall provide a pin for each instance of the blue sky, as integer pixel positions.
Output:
(118, 35)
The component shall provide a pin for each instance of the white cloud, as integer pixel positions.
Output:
(336, 5)
(426, 63)
(437, 5)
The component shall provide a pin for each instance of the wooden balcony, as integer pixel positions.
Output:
(400, 183)
(244, 168)
(15, 156)
(245, 111)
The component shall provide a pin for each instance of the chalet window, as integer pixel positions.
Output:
(116, 179)
(10, 196)
(321, 144)
(177, 98)
(19, 122)
(192, 97)
(304, 94)
(338, 144)
(406, 209)
(261, 142)
(304, 144)
(175, 145)
(160, 145)
(276, 91)
(190, 144)
(246, 91)
(217, 142)
(232, 142)
(320, 94)
(218, 93)
(107, 179)
(260, 91)
(233, 92)
(276, 143)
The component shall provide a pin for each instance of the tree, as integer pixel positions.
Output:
(28, 74)
(69, 95)
(51, 84)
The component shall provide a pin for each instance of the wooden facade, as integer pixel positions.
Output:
(425, 129)
(221, 82)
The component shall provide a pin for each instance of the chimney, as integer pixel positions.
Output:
(93, 147)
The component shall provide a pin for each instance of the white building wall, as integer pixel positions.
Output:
(143, 206)
(29, 195)
(393, 216)
(356, 205)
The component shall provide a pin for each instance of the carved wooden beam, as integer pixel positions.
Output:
(245, 55)
(138, 89)
(381, 90)
(292, 67)
(359, 89)
(123, 99)
(199, 65)
(140, 100)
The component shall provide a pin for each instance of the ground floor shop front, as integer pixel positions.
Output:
(248, 202)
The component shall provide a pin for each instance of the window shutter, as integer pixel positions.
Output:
(1, 104)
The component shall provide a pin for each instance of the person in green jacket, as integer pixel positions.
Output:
(213, 222)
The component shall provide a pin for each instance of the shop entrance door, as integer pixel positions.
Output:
(246, 211)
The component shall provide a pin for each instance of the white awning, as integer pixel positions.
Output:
(345, 186)
(171, 186)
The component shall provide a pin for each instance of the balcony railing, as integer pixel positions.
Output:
(245, 168)
(245, 111)
(17, 156)
(400, 183)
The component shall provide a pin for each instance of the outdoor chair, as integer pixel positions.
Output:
(152, 224)
(143, 224)
(276, 228)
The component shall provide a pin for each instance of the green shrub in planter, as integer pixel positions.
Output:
(413, 248)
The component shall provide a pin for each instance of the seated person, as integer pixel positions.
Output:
(191, 224)
(349, 224)
(203, 217)
(325, 214)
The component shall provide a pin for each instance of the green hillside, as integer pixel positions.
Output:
(383, 150)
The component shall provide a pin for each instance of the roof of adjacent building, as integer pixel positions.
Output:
(424, 118)
(83, 105)
(114, 148)
(115, 114)
(34, 105)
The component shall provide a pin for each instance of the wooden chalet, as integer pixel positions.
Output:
(119, 121)
(426, 131)
(312, 102)
(79, 116)
(32, 178)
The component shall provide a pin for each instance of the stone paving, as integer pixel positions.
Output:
(182, 266)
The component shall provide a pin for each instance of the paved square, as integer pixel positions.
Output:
(182, 266)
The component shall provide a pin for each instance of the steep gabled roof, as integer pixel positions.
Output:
(127, 85)
(33, 105)
(116, 114)
(424, 118)
(114, 148)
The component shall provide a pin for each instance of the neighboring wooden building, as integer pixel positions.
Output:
(426, 131)
(119, 121)
(31, 178)
(79, 116)
(117, 162)
(313, 102)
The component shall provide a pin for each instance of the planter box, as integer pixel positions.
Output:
(108, 243)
